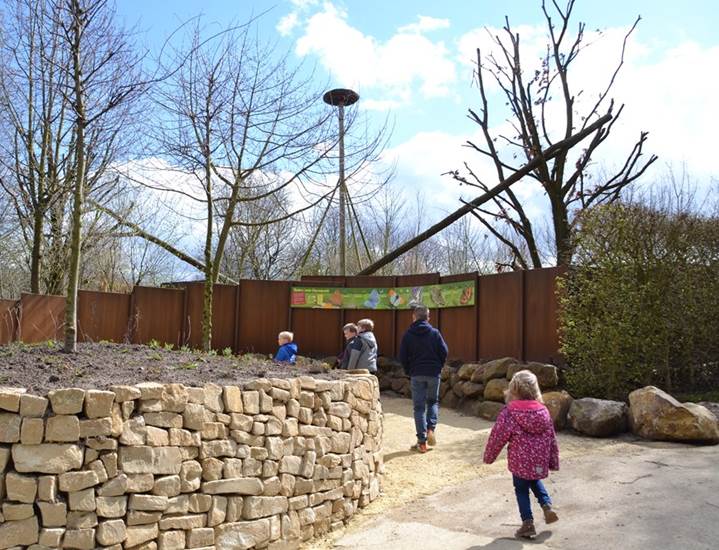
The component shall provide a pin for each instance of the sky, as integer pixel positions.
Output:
(412, 61)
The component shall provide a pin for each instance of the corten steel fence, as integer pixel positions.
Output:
(515, 314)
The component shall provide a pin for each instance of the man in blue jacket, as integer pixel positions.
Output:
(423, 352)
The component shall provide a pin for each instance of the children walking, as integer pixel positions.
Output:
(526, 425)
(287, 352)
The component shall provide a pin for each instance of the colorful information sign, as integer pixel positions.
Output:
(433, 296)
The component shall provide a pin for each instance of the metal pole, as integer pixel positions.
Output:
(341, 98)
(343, 229)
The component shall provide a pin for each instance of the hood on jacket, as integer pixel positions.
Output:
(291, 345)
(419, 327)
(532, 416)
(369, 337)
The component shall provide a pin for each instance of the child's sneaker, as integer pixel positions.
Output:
(526, 531)
(431, 438)
(550, 516)
(419, 447)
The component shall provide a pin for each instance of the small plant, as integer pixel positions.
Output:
(156, 357)
(168, 346)
(153, 344)
(51, 344)
(185, 348)
(212, 353)
(105, 342)
(188, 366)
(227, 352)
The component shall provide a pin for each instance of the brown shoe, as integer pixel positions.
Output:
(526, 531)
(419, 447)
(550, 516)
(431, 438)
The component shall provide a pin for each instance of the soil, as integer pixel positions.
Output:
(43, 367)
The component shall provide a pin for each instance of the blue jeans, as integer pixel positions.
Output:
(425, 399)
(521, 490)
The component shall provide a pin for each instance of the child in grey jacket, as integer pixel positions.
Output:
(363, 352)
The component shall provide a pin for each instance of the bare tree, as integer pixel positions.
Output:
(103, 81)
(536, 125)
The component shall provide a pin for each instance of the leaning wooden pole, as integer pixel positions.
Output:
(503, 185)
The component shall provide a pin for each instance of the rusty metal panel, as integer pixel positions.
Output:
(318, 332)
(8, 321)
(41, 318)
(459, 324)
(103, 316)
(403, 317)
(541, 338)
(500, 315)
(157, 315)
(383, 319)
(223, 316)
(194, 292)
(264, 312)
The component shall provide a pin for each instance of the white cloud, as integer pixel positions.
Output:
(425, 23)
(393, 69)
(288, 23)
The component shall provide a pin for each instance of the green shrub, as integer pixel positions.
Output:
(640, 305)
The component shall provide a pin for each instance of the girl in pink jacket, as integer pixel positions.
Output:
(526, 425)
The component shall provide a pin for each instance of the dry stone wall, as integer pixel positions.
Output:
(165, 466)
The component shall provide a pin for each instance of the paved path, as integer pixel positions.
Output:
(625, 494)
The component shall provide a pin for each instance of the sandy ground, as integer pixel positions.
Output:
(634, 493)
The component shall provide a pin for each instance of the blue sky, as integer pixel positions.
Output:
(412, 60)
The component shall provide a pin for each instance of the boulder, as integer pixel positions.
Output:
(558, 403)
(547, 375)
(598, 417)
(472, 389)
(497, 368)
(489, 410)
(495, 388)
(450, 400)
(655, 414)
(478, 375)
(466, 371)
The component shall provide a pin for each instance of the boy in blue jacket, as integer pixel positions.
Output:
(287, 353)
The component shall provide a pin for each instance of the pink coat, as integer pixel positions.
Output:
(528, 428)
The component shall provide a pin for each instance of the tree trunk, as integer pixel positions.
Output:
(562, 232)
(37, 242)
(73, 277)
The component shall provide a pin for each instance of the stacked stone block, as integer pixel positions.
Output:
(164, 466)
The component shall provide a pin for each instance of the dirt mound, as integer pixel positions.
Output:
(43, 367)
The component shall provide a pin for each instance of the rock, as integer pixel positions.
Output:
(238, 486)
(472, 389)
(259, 506)
(558, 403)
(450, 400)
(76, 481)
(125, 393)
(111, 532)
(243, 534)
(466, 371)
(497, 368)
(81, 539)
(201, 537)
(598, 417)
(10, 398)
(20, 488)
(54, 514)
(33, 406)
(111, 507)
(148, 503)
(62, 429)
(10, 427)
(67, 400)
(47, 458)
(32, 431)
(489, 410)
(547, 375)
(137, 534)
(654, 414)
(19, 533)
(98, 404)
(495, 388)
